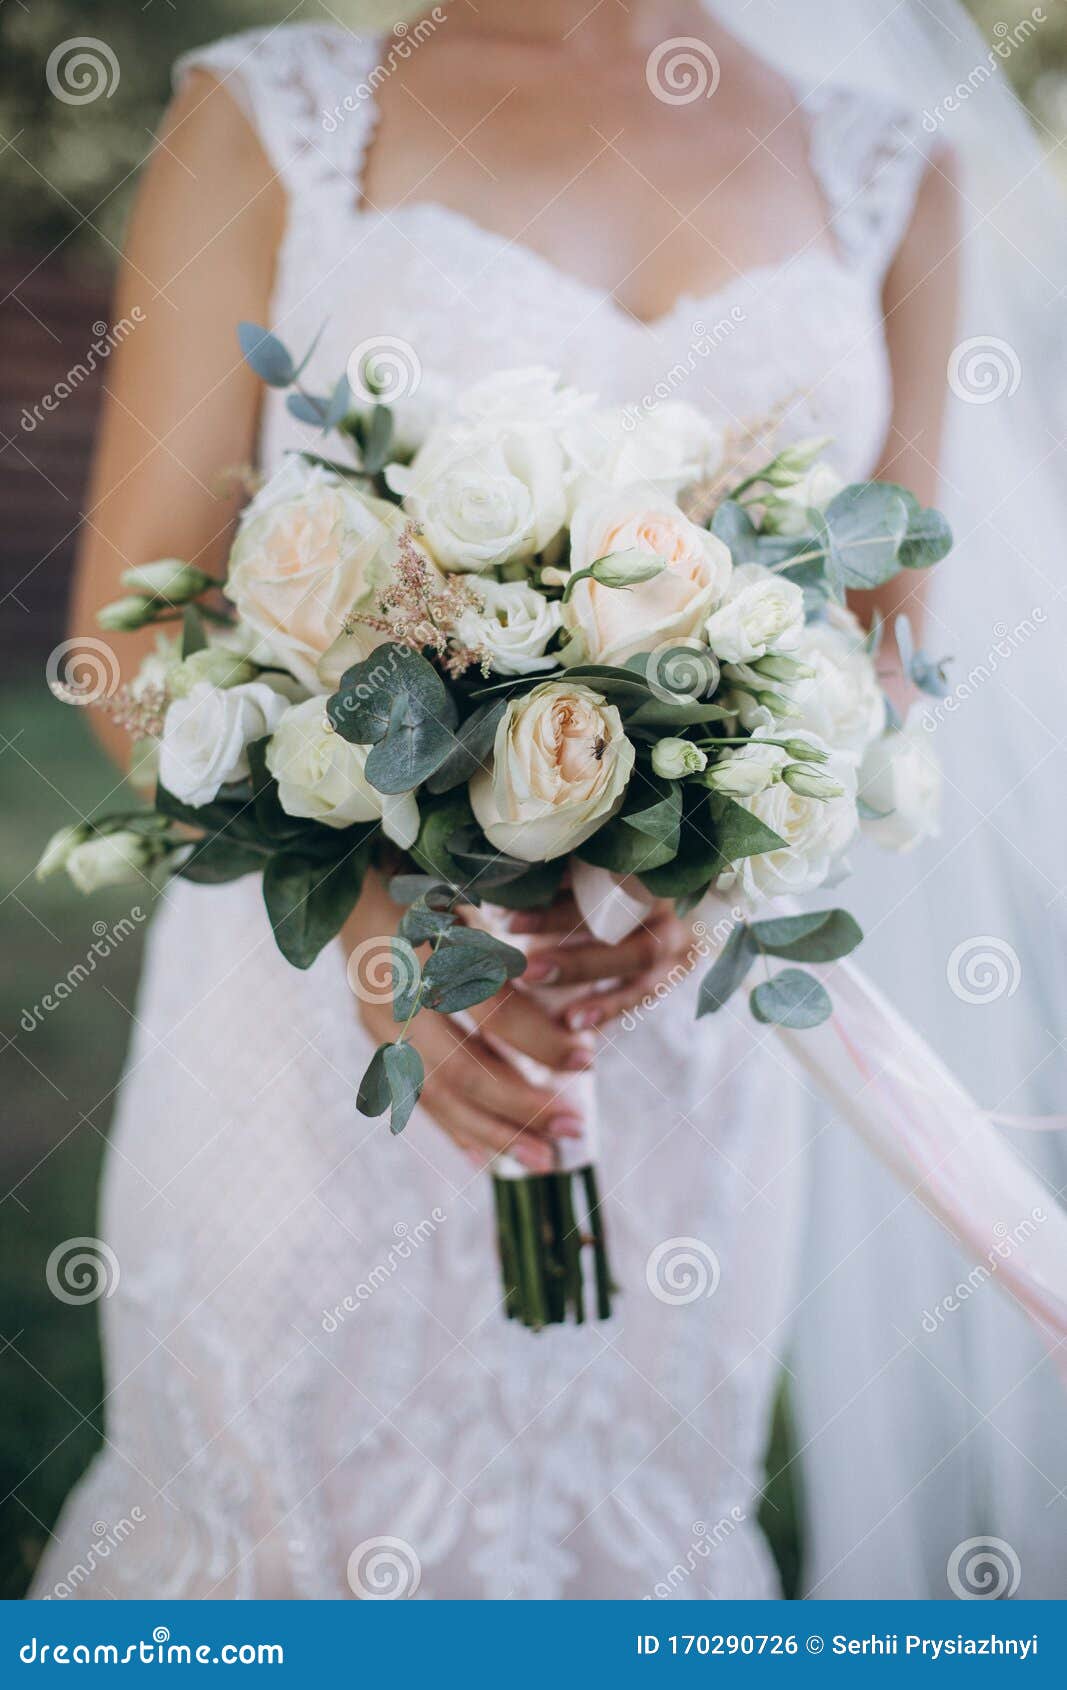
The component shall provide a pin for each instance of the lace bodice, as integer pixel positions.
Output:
(305, 1354)
(804, 334)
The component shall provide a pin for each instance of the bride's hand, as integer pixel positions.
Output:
(654, 957)
(472, 1091)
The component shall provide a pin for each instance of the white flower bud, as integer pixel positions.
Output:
(125, 616)
(673, 759)
(57, 852)
(778, 668)
(215, 664)
(796, 460)
(627, 569)
(809, 782)
(169, 579)
(109, 860)
(740, 777)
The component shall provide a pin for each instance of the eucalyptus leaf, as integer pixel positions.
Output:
(644, 835)
(307, 409)
(422, 922)
(215, 860)
(819, 936)
(266, 355)
(407, 977)
(309, 900)
(405, 1075)
(339, 405)
(377, 439)
(732, 524)
(728, 971)
(471, 747)
(193, 635)
(864, 528)
(532, 890)
(791, 999)
(372, 1098)
(396, 702)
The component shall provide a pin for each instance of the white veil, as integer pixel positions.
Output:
(928, 1414)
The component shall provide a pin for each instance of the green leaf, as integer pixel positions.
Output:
(657, 715)
(469, 966)
(471, 747)
(405, 1075)
(644, 835)
(791, 999)
(396, 702)
(439, 821)
(407, 888)
(537, 887)
(738, 833)
(377, 439)
(421, 923)
(372, 1097)
(309, 900)
(928, 538)
(266, 355)
(215, 860)
(193, 635)
(735, 528)
(624, 687)
(864, 527)
(821, 936)
(697, 861)
(727, 972)
(407, 977)
(483, 865)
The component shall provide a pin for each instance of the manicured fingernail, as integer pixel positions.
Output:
(564, 1126)
(538, 1158)
(579, 1059)
(542, 969)
(577, 1018)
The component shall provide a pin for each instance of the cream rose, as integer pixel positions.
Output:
(310, 550)
(816, 830)
(842, 702)
(560, 766)
(207, 732)
(322, 776)
(663, 450)
(610, 624)
(900, 777)
(484, 494)
(512, 626)
(761, 612)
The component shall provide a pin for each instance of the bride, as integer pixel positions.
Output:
(311, 1392)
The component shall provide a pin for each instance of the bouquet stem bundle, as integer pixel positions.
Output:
(550, 1232)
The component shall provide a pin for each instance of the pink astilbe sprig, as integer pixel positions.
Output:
(139, 711)
(421, 608)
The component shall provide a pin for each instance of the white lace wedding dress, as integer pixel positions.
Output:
(256, 1438)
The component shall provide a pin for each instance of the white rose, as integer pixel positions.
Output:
(663, 449)
(761, 612)
(321, 776)
(615, 623)
(787, 512)
(900, 777)
(206, 734)
(512, 626)
(560, 766)
(113, 859)
(816, 831)
(310, 551)
(533, 394)
(484, 494)
(842, 702)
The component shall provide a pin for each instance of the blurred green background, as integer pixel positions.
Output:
(66, 176)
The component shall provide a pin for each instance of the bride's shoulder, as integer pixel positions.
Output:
(300, 57)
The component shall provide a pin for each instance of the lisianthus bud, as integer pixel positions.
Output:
(169, 579)
(212, 663)
(673, 759)
(779, 668)
(804, 751)
(626, 569)
(796, 460)
(810, 783)
(57, 852)
(125, 616)
(777, 703)
(741, 777)
(109, 860)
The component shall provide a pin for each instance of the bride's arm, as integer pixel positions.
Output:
(919, 302)
(181, 406)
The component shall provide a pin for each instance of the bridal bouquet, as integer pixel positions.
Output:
(547, 641)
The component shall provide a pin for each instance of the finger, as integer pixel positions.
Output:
(563, 916)
(498, 1088)
(569, 965)
(525, 1025)
(602, 1008)
(486, 1135)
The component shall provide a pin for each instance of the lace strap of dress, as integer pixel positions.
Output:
(308, 91)
(869, 159)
